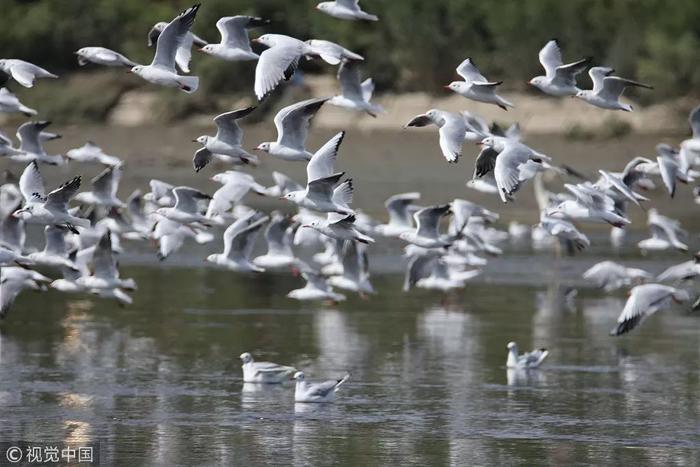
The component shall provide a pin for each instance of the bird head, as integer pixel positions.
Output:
(264, 147)
(537, 81)
(299, 376)
(456, 86)
(512, 345)
(138, 69)
(208, 49)
(201, 140)
(246, 357)
(324, 6)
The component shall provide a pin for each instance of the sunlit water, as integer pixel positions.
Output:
(159, 382)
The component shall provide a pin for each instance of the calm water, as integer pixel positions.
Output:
(159, 383)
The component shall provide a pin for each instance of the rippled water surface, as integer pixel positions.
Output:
(159, 382)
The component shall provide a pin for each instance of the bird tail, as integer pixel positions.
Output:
(504, 104)
(27, 111)
(342, 380)
(369, 17)
(189, 84)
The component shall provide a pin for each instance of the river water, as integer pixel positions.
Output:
(159, 382)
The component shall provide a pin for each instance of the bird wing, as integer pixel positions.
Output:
(28, 134)
(227, 125)
(397, 206)
(419, 267)
(668, 168)
(285, 183)
(485, 162)
(428, 220)
(694, 121)
(349, 78)
(234, 32)
(58, 199)
(322, 163)
(613, 86)
(643, 301)
(567, 73)
(106, 183)
(274, 65)
(172, 37)
(239, 237)
(31, 183)
(550, 58)
(507, 170)
(104, 265)
(186, 199)
(322, 189)
(55, 239)
(452, 136)
(470, 72)
(292, 122)
(597, 74)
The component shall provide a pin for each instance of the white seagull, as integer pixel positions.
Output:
(527, 360)
(226, 144)
(235, 44)
(607, 89)
(31, 137)
(316, 288)
(184, 50)
(102, 56)
(427, 233)
(239, 239)
(279, 236)
(610, 276)
(24, 72)
(10, 103)
(264, 372)
(645, 300)
(400, 215)
(345, 9)
(559, 79)
(320, 195)
(14, 280)
(91, 152)
(55, 252)
(355, 95)
(316, 392)
(162, 70)
(186, 209)
(104, 189)
(476, 87)
(452, 129)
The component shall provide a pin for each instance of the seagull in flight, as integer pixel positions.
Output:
(559, 79)
(607, 89)
(234, 45)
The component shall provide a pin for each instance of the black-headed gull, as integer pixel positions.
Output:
(239, 239)
(278, 62)
(104, 268)
(162, 70)
(91, 152)
(590, 205)
(279, 236)
(321, 195)
(226, 145)
(401, 208)
(609, 275)
(264, 372)
(104, 189)
(607, 89)
(564, 231)
(14, 280)
(666, 233)
(452, 129)
(316, 392)
(476, 87)
(31, 138)
(55, 252)
(24, 72)
(184, 50)
(355, 275)
(10, 103)
(680, 272)
(235, 44)
(427, 233)
(355, 95)
(345, 9)
(102, 56)
(527, 360)
(292, 124)
(559, 79)
(643, 301)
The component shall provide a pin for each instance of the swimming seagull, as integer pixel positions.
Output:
(102, 56)
(30, 144)
(610, 276)
(400, 215)
(91, 152)
(316, 392)
(355, 95)
(645, 300)
(234, 45)
(10, 103)
(162, 70)
(239, 239)
(527, 360)
(24, 72)
(476, 87)
(264, 372)
(48, 209)
(104, 189)
(607, 89)
(452, 129)
(226, 144)
(345, 9)
(184, 50)
(559, 79)
(292, 124)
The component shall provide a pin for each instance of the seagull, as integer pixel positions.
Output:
(426, 234)
(226, 144)
(680, 272)
(30, 144)
(7, 150)
(429, 270)
(355, 276)
(527, 360)
(340, 228)
(645, 300)
(292, 123)
(24, 72)
(345, 9)
(559, 79)
(564, 230)
(607, 89)
(234, 45)
(331, 52)
(239, 239)
(10, 103)
(9, 257)
(14, 280)
(355, 95)
(400, 215)
(320, 195)
(476, 87)
(669, 167)
(102, 56)
(184, 50)
(162, 70)
(104, 268)
(55, 252)
(48, 209)
(171, 235)
(264, 372)
(316, 392)
(104, 189)
(278, 62)
(186, 209)
(452, 129)
(283, 185)
(665, 233)
(279, 236)
(590, 205)
(91, 152)
(161, 193)
(316, 288)
(610, 276)
(235, 185)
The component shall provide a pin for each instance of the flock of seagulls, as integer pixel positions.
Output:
(84, 229)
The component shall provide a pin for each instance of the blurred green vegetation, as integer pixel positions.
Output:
(415, 46)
